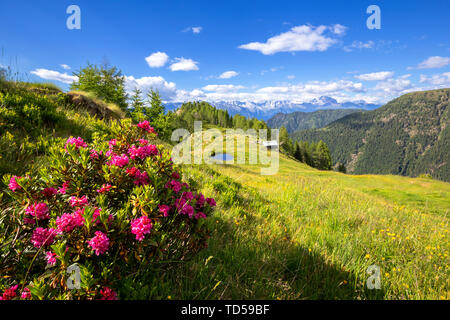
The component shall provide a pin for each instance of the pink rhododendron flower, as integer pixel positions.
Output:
(9, 293)
(50, 257)
(64, 187)
(49, 192)
(140, 227)
(112, 143)
(142, 152)
(29, 220)
(132, 171)
(69, 221)
(77, 142)
(145, 125)
(43, 237)
(200, 200)
(164, 209)
(143, 142)
(95, 154)
(78, 202)
(188, 195)
(211, 202)
(13, 185)
(96, 214)
(38, 210)
(141, 179)
(108, 294)
(104, 188)
(180, 203)
(174, 185)
(200, 215)
(99, 243)
(187, 209)
(109, 153)
(175, 175)
(118, 161)
(26, 294)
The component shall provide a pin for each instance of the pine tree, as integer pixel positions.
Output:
(323, 156)
(306, 153)
(137, 105)
(298, 152)
(285, 141)
(155, 107)
(341, 168)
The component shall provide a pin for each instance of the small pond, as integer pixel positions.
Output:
(222, 157)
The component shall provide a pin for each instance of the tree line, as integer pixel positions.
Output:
(208, 114)
(316, 155)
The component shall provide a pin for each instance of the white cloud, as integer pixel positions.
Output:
(54, 75)
(342, 90)
(168, 90)
(291, 76)
(375, 76)
(317, 87)
(395, 87)
(433, 62)
(196, 93)
(65, 66)
(157, 59)
(228, 74)
(299, 38)
(183, 64)
(338, 29)
(222, 87)
(195, 30)
(441, 80)
(359, 45)
(273, 69)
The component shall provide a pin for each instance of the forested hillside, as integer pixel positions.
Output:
(408, 136)
(189, 112)
(308, 120)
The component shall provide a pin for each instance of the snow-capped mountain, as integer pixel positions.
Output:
(266, 109)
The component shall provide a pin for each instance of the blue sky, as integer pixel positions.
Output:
(237, 50)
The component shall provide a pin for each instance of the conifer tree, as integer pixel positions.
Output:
(137, 105)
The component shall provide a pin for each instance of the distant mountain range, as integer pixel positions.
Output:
(409, 135)
(296, 121)
(266, 109)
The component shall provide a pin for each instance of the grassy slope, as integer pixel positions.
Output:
(19, 147)
(305, 233)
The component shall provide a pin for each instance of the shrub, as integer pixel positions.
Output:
(106, 82)
(115, 208)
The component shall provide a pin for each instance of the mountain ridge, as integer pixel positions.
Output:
(300, 120)
(266, 109)
(410, 135)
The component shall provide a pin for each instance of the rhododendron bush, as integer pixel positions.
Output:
(114, 208)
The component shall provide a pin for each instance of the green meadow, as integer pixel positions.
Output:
(309, 234)
(298, 234)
